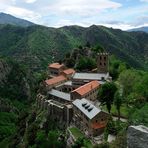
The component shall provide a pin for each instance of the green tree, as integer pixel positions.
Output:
(67, 55)
(110, 127)
(88, 44)
(128, 79)
(31, 134)
(139, 116)
(54, 140)
(141, 86)
(106, 94)
(135, 100)
(79, 143)
(41, 140)
(86, 63)
(118, 102)
(80, 47)
(102, 145)
(116, 66)
(70, 62)
(98, 48)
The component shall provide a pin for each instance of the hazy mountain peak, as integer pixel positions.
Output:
(9, 19)
(144, 29)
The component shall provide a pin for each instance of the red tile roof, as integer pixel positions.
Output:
(82, 90)
(98, 125)
(55, 80)
(55, 65)
(69, 71)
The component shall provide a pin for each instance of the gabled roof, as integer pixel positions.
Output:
(55, 80)
(55, 65)
(69, 71)
(59, 94)
(82, 90)
(87, 108)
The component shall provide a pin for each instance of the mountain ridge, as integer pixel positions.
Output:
(144, 29)
(9, 19)
(37, 45)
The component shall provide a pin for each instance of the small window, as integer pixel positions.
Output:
(96, 121)
(104, 58)
(105, 64)
(102, 78)
(100, 58)
(101, 119)
(100, 63)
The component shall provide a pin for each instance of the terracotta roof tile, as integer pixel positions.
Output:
(82, 90)
(98, 125)
(55, 65)
(69, 71)
(55, 80)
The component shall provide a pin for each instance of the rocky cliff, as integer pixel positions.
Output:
(137, 137)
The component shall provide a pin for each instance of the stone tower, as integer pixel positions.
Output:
(103, 63)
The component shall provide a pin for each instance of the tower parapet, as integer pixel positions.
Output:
(103, 62)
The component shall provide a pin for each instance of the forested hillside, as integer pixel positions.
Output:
(35, 46)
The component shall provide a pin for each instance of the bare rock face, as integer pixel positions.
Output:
(137, 137)
(4, 71)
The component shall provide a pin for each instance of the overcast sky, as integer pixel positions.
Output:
(123, 14)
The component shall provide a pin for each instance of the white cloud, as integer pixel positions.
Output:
(23, 13)
(144, 0)
(6, 2)
(119, 26)
(66, 22)
(30, 1)
(81, 7)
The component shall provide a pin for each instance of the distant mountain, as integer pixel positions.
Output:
(36, 46)
(9, 19)
(144, 29)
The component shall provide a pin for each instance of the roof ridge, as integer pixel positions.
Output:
(89, 83)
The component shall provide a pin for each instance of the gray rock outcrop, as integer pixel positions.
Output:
(137, 137)
(4, 71)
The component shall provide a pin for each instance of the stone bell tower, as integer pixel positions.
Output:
(103, 62)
